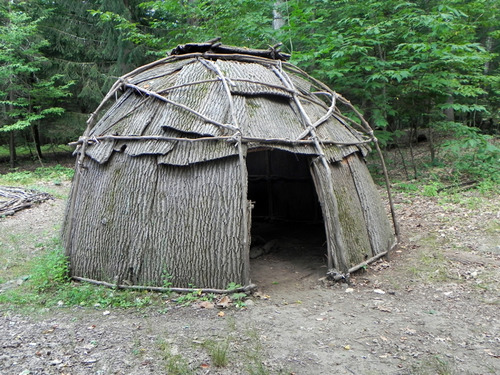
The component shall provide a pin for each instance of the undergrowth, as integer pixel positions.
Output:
(463, 158)
(48, 284)
(27, 151)
(54, 174)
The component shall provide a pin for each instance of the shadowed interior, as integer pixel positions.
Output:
(286, 217)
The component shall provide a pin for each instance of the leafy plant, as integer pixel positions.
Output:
(238, 299)
(50, 271)
(472, 153)
(431, 190)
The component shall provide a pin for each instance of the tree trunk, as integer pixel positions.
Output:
(449, 112)
(36, 139)
(12, 149)
(12, 138)
(278, 20)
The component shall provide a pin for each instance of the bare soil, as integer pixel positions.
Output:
(432, 307)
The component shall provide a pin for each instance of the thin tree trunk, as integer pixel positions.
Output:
(413, 132)
(403, 161)
(278, 20)
(12, 149)
(431, 145)
(12, 139)
(449, 112)
(36, 139)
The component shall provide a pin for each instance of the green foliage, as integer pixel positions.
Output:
(407, 65)
(50, 271)
(167, 280)
(473, 155)
(431, 190)
(27, 96)
(401, 61)
(189, 298)
(48, 285)
(240, 22)
(233, 286)
(407, 187)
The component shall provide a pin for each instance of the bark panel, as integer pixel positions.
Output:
(137, 220)
(376, 218)
(334, 236)
(354, 229)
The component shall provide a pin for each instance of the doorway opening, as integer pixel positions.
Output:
(288, 240)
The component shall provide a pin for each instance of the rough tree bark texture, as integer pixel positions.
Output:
(354, 229)
(149, 220)
(376, 218)
(365, 228)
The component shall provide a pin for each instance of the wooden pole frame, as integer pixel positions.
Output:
(280, 68)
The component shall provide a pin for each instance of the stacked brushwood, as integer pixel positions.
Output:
(13, 199)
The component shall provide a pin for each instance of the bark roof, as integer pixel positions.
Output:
(194, 106)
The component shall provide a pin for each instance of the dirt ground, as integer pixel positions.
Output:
(431, 308)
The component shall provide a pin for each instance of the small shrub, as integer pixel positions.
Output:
(431, 190)
(473, 154)
(407, 187)
(50, 271)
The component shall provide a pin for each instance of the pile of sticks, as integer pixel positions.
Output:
(13, 199)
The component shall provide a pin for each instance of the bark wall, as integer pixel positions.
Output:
(379, 227)
(357, 242)
(136, 221)
(365, 229)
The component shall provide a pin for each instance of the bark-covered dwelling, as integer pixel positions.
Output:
(185, 152)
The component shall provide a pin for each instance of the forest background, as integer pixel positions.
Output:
(418, 71)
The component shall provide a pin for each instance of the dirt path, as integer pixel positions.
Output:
(433, 308)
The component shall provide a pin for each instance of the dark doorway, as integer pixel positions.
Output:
(288, 235)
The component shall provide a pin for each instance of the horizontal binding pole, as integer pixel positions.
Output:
(338, 277)
(245, 289)
(244, 139)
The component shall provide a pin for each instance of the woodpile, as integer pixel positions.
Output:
(13, 199)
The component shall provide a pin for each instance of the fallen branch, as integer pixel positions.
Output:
(464, 185)
(336, 276)
(245, 289)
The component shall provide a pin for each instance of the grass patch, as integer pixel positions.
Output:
(430, 267)
(54, 174)
(14, 260)
(434, 366)
(47, 284)
(175, 363)
(218, 352)
(254, 355)
(26, 151)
